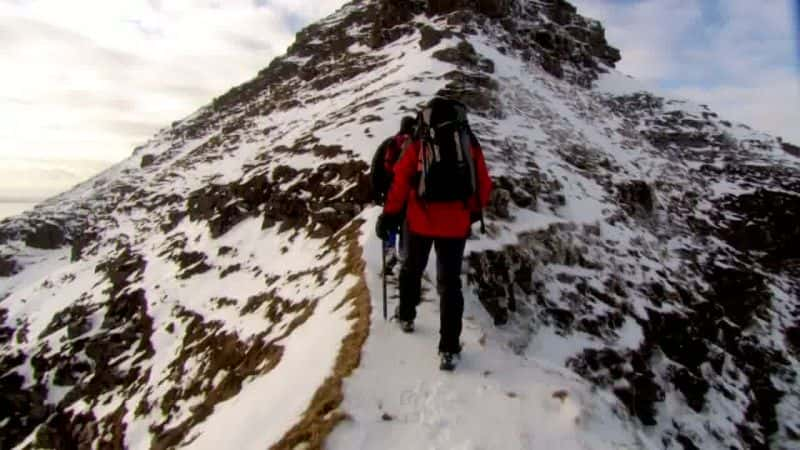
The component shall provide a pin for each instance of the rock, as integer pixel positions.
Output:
(524, 192)
(561, 12)
(6, 333)
(430, 37)
(490, 8)
(191, 263)
(173, 218)
(462, 55)
(637, 197)
(476, 90)
(743, 294)
(766, 221)
(637, 389)
(561, 395)
(686, 442)
(46, 236)
(693, 388)
(122, 269)
(76, 317)
(793, 337)
(230, 269)
(564, 318)
(791, 149)
(8, 266)
(498, 204)
(390, 21)
(641, 397)
(552, 65)
(492, 274)
(22, 409)
(83, 239)
(677, 336)
(68, 430)
(147, 161)
(327, 151)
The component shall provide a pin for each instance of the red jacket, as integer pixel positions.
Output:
(435, 219)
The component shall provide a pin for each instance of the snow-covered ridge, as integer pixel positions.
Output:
(215, 288)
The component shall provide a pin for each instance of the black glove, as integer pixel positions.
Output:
(387, 223)
(378, 198)
(475, 216)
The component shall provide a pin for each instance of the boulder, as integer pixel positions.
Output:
(430, 37)
(636, 197)
(8, 266)
(498, 204)
(147, 160)
(46, 236)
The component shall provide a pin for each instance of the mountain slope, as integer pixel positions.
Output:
(216, 288)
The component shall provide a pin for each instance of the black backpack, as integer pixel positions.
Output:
(380, 177)
(446, 167)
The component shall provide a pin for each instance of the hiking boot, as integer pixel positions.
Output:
(448, 361)
(406, 325)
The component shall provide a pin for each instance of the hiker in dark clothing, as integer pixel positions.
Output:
(440, 202)
(381, 174)
(386, 156)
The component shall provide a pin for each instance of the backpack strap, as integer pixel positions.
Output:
(473, 140)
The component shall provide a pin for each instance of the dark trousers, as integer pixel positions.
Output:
(449, 255)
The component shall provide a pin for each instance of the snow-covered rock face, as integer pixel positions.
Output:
(212, 291)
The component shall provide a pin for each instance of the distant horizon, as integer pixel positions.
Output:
(10, 209)
(22, 200)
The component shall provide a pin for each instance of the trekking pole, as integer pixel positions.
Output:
(383, 258)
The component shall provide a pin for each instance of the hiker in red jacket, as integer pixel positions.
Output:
(442, 182)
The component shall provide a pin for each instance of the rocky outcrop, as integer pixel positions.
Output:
(312, 201)
(489, 8)
(8, 266)
(22, 409)
(791, 149)
(46, 235)
(764, 221)
(147, 161)
(637, 197)
(566, 45)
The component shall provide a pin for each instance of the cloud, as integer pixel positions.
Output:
(737, 56)
(91, 80)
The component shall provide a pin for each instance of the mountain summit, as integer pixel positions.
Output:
(638, 285)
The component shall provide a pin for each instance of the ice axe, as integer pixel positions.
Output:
(383, 271)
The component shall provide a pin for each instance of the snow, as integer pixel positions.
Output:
(38, 264)
(616, 83)
(495, 399)
(274, 403)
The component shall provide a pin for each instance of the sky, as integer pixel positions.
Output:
(740, 57)
(83, 82)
